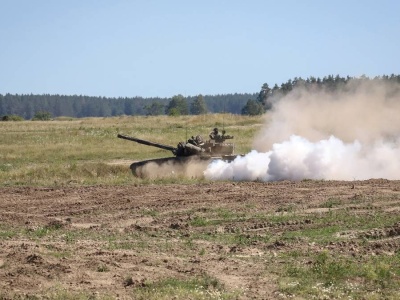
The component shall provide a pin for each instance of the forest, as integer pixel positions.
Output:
(46, 106)
(79, 106)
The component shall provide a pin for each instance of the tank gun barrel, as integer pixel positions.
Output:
(148, 143)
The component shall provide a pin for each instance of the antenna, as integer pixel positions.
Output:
(223, 117)
(186, 123)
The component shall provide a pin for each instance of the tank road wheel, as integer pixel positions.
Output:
(136, 169)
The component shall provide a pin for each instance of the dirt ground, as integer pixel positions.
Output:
(109, 240)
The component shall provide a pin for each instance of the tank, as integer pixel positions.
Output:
(189, 158)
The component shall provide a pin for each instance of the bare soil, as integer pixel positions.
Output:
(109, 240)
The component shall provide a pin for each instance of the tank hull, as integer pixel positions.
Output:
(189, 166)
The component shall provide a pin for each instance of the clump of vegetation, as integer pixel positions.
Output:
(59, 292)
(12, 118)
(42, 116)
(102, 268)
(253, 108)
(202, 287)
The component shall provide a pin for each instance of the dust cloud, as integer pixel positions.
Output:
(351, 134)
(190, 168)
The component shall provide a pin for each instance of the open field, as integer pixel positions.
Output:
(75, 224)
(87, 151)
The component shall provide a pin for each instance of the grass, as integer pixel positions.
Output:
(199, 221)
(196, 288)
(201, 287)
(149, 212)
(7, 233)
(61, 293)
(83, 151)
(331, 202)
(102, 268)
(335, 276)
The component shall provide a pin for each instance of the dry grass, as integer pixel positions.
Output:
(86, 151)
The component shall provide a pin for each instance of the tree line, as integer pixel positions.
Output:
(39, 107)
(79, 106)
(267, 95)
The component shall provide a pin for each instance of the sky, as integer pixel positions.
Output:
(159, 48)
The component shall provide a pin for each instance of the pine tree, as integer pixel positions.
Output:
(198, 106)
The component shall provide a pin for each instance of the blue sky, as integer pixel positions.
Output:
(160, 48)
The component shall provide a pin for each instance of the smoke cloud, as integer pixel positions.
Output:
(351, 134)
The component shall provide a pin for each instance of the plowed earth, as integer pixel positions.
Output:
(94, 238)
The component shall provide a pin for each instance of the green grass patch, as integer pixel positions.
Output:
(61, 293)
(7, 233)
(331, 202)
(229, 215)
(149, 212)
(203, 287)
(326, 226)
(318, 234)
(231, 239)
(332, 276)
(199, 221)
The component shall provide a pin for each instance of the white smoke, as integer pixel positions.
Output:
(350, 135)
